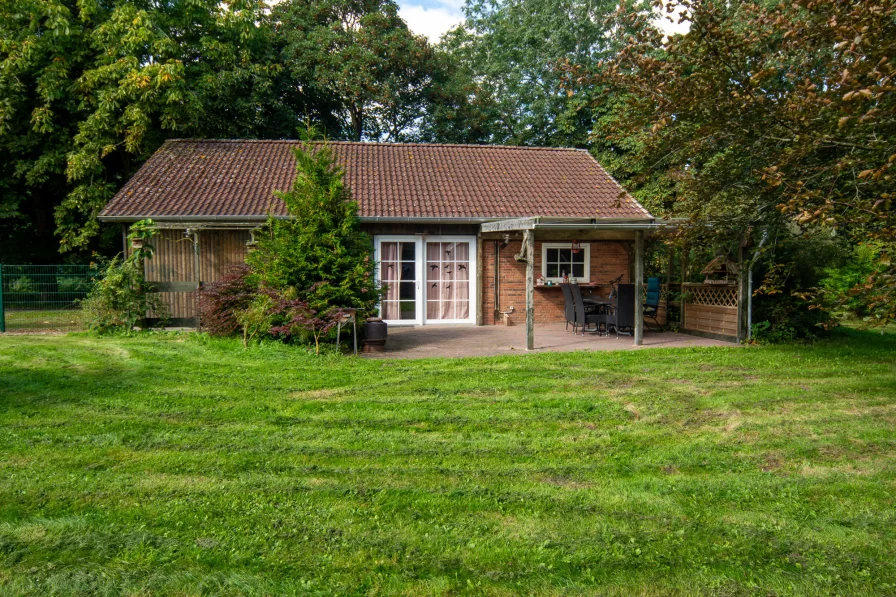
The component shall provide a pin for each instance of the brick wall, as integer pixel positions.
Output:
(609, 259)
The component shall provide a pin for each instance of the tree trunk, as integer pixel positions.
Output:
(357, 116)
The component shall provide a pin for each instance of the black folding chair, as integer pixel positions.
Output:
(625, 309)
(585, 315)
(569, 309)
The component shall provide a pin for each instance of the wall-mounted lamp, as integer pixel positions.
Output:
(576, 246)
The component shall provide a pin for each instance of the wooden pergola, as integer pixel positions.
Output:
(633, 230)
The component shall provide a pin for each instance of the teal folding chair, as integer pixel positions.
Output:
(652, 301)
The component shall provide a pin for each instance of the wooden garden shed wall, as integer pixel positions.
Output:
(175, 262)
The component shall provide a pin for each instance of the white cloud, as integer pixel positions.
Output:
(431, 22)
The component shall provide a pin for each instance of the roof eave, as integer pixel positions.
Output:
(167, 218)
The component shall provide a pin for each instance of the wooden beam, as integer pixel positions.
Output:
(509, 225)
(670, 265)
(174, 286)
(530, 290)
(639, 288)
(685, 253)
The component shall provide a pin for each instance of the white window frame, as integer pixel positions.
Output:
(418, 273)
(471, 283)
(420, 241)
(585, 248)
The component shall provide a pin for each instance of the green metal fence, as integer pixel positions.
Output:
(43, 297)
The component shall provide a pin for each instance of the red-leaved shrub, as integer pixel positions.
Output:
(292, 316)
(220, 301)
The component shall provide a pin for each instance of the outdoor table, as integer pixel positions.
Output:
(600, 303)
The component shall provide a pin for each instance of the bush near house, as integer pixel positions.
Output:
(304, 269)
(220, 302)
(121, 298)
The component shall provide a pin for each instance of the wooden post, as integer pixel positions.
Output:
(639, 287)
(198, 275)
(685, 253)
(480, 289)
(529, 239)
(670, 265)
(742, 292)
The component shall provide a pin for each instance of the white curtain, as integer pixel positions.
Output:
(390, 274)
(447, 281)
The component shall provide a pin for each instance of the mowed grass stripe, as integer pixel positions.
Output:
(182, 465)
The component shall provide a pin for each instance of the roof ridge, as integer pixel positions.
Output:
(383, 143)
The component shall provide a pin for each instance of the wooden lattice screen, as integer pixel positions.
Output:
(716, 296)
(710, 309)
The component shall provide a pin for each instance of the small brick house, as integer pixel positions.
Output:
(448, 222)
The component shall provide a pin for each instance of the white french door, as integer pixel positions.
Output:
(399, 271)
(428, 279)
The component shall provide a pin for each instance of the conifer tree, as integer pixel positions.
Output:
(318, 254)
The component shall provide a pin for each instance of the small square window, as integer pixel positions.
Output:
(558, 260)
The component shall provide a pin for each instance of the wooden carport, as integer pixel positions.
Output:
(532, 227)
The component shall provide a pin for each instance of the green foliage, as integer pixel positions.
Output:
(256, 318)
(319, 250)
(21, 284)
(504, 83)
(360, 54)
(845, 284)
(139, 235)
(781, 306)
(765, 120)
(121, 298)
(183, 465)
(69, 284)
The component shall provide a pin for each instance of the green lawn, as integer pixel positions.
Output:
(44, 319)
(176, 465)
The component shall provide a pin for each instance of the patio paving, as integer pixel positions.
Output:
(494, 340)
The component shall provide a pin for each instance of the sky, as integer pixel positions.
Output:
(433, 18)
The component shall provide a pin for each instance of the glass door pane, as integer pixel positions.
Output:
(398, 273)
(447, 281)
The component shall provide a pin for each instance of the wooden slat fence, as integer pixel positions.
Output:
(710, 309)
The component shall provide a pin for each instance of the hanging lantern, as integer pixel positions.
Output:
(576, 247)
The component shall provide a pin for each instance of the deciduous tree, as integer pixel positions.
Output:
(361, 54)
(89, 88)
(766, 119)
(505, 57)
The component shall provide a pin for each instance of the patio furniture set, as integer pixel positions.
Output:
(614, 314)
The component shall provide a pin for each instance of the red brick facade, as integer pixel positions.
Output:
(609, 259)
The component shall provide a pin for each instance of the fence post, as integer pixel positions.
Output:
(2, 310)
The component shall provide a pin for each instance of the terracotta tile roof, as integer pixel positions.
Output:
(237, 178)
